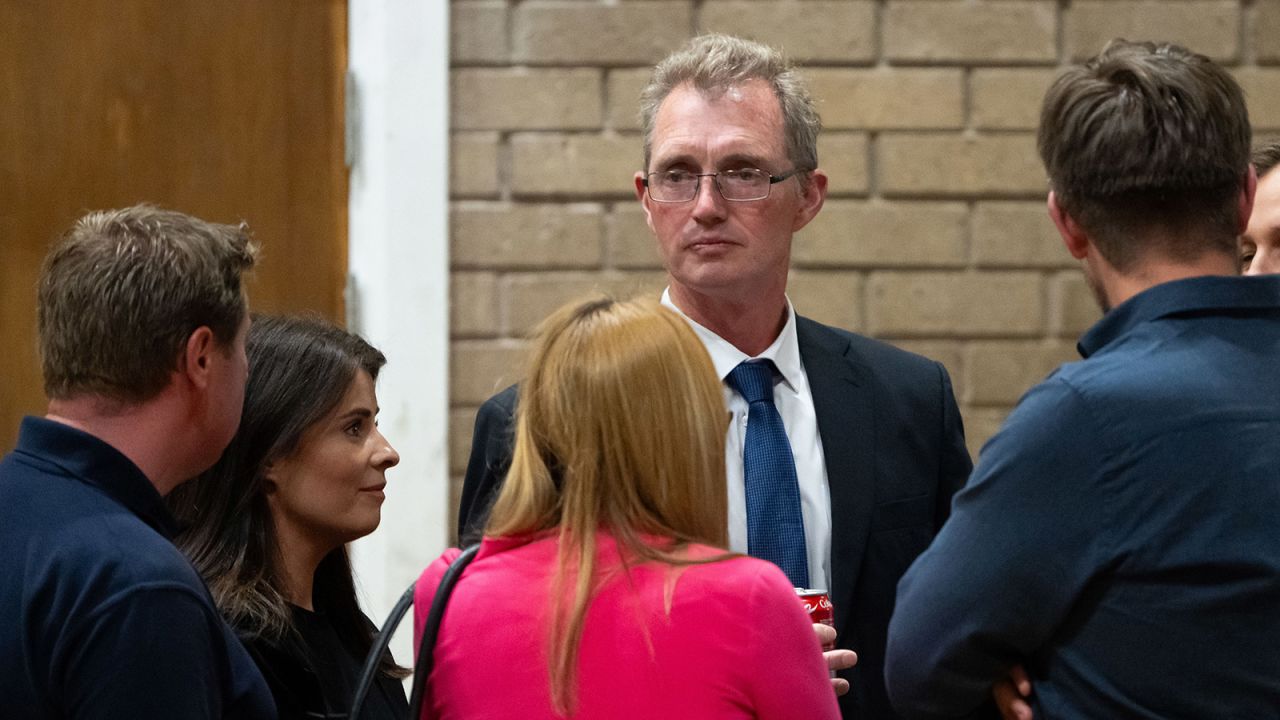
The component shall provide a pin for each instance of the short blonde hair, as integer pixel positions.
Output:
(620, 427)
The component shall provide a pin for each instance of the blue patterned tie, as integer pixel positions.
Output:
(775, 527)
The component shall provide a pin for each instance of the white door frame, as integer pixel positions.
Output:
(398, 287)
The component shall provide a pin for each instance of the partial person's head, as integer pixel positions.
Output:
(620, 427)
(726, 105)
(305, 472)
(1147, 151)
(713, 64)
(1260, 243)
(128, 296)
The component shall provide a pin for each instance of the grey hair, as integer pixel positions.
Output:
(713, 63)
(1265, 158)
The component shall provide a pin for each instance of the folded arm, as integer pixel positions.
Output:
(1023, 539)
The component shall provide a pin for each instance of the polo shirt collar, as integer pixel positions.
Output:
(96, 463)
(784, 352)
(1180, 297)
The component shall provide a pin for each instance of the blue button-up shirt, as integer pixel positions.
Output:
(1120, 535)
(100, 615)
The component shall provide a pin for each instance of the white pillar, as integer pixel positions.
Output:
(398, 294)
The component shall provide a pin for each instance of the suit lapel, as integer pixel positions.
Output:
(843, 405)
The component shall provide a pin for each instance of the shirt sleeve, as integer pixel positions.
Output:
(788, 676)
(1024, 538)
(152, 652)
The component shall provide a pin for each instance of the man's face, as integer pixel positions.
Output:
(1260, 244)
(709, 245)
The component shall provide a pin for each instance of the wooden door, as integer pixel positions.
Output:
(228, 110)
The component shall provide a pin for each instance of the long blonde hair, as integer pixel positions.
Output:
(620, 427)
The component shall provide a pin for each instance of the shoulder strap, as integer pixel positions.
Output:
(377, 650)
(422, 668)
(379, 647)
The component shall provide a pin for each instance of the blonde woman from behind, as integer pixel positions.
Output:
(601, 588)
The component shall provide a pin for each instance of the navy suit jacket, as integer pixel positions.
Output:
(895, 454)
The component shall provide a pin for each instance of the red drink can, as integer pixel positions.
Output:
(818, 603)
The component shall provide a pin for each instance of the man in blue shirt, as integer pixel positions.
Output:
(1120, 537)
(142, 323)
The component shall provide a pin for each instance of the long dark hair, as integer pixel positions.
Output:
(299, 369)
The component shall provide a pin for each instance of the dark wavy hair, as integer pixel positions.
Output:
(1143, 137)
(299, 369)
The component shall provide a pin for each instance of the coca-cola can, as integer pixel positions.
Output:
(818, 603)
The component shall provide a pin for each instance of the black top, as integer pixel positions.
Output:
(313, 674)
(103, 617)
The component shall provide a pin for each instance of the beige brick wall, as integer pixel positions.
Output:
(934, 236)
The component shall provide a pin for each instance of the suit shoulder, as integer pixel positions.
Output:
(503, 402)
(876, 354)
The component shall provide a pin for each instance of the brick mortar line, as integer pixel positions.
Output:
(1248, 52)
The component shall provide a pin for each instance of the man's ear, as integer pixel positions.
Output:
(1073, 235)
(270, 478)
(643, 197)
(811, 200)
(196, 357)
(1244, 207)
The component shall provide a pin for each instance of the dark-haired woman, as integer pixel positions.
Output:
(269, 523)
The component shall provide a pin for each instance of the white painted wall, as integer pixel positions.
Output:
(398, 294)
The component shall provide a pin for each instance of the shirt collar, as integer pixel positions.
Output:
(1181, 297)
(96, 463)
(784, 352)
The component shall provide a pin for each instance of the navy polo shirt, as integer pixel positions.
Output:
(100, 615)
(1120, 535)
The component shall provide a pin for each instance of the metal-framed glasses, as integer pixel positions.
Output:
(742, 185)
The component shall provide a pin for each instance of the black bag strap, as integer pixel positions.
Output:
(429, 632)
(377, 650)
(422, 668)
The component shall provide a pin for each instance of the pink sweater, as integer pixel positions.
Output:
(735, 644)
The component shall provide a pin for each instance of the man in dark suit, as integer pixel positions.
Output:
(843, 452)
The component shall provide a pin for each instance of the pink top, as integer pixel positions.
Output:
(735, 644)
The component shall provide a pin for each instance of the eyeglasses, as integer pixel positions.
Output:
(744, 185)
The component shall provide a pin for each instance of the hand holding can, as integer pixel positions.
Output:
(818, 603)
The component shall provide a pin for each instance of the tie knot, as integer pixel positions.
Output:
(753, 380)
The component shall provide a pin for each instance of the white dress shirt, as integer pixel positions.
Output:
(794, 400)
